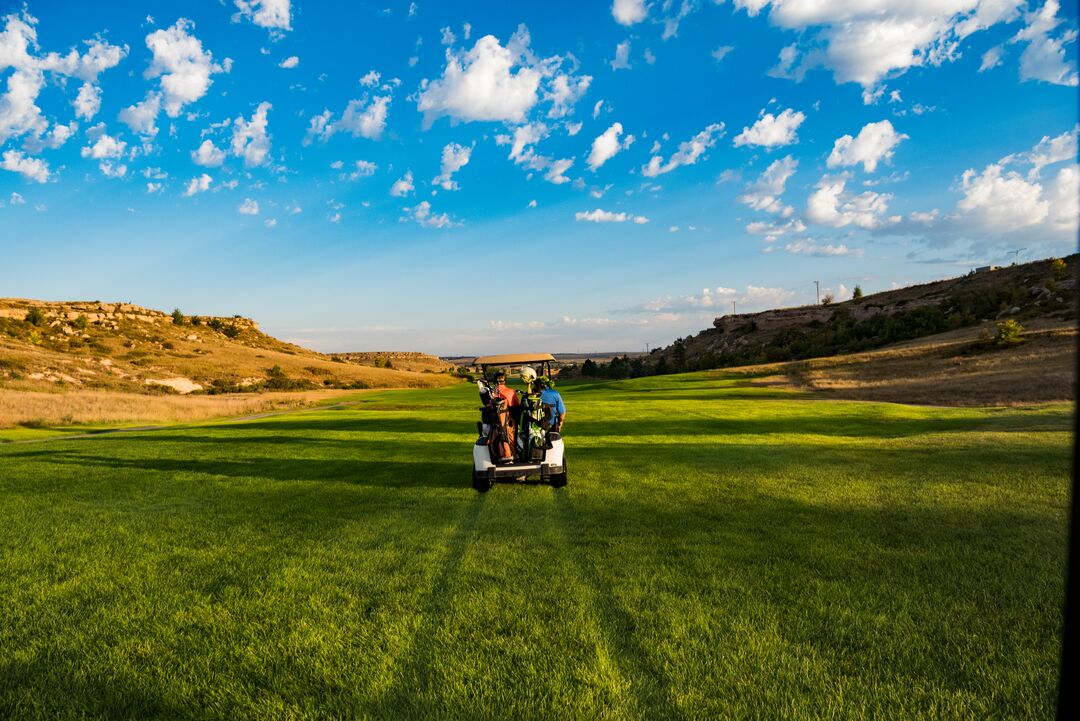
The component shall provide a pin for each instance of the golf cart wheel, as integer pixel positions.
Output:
(481, 482)
(558, 480)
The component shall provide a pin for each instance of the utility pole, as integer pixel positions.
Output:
(646, 349)
(1016, 254)
(817, 292)
(733, 307)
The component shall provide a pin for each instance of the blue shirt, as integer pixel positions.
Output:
(551, 397)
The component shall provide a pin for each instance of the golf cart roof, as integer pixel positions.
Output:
(513, 359)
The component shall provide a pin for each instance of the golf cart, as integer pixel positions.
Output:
(516, 442)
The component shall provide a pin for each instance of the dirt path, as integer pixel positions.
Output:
(141, 429)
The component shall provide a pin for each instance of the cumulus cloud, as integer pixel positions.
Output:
(103, 146)
(19, 113)
(142, 116)
(208, 155)
(606, 216)
(606, 145)
(1050, 150)
(803, 246)
(629, 12)
(31, 168)
(771, 131)
(365, 118)
(874, 143)
(1044, 57)
(403, 185)
(272, 14)
(250, 140)
(688, 153)
(493, 82)
(290, 62)
(522, 152)
(199, 184)
(991, 58)
(556, 171)
(770, 231)
(182, 65)
(364, 169)
(248, 207)
(422, 215)
(621, 61)
(764, 194)
(454, 158)
(865, 41)
(831, 205)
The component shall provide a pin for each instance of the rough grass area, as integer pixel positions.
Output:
(74, 409)
(720, 552)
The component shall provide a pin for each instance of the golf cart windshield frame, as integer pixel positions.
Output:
(544, 362)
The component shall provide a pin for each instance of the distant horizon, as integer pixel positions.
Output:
(486, 176)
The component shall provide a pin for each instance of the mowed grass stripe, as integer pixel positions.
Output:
(721, 551)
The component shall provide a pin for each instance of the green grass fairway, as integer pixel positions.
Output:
(720, 552)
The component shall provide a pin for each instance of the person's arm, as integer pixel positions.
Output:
(560, 411)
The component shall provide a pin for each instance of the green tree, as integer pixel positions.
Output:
(1059, 269)
(857, 294)
(177, 317)
(588, 368)
(827, 299)
(35, 317)
(1008, 332)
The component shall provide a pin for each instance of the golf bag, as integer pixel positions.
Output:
(502, 435)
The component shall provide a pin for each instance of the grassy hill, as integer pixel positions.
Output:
(125, 347)
(722, 551)
(1034, 294)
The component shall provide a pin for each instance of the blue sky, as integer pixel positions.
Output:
(489, 176)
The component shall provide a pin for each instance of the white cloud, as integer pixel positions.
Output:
(19, 113)
(764, 194)
(688, 153)
(454, 158)
(803, 246)
(208, 155)
(154, 188)
(142, 117)
(248, 207)
(370, 79)
(532, 203)
(629, 12)
(772, 131)
(1044, 57)
(17, 199)
(1064, 199)
(597, 108)
(607, 216)
(421, 213)
(31, 168)
(606, 145)
(88, 101)
(865, 41)
(272, 14)
(721, 52)
(556, 170)
(831, 205)
(573, 129)
(991, 58)
(181, 63)
(270, 222)
(564, 93)
(364, 169)
(874, 143)
(481, 84)
(1052, 150)
(250, 140)
(320, 128)
(198, 184)
(290, 62)
(103, 146)
(403, 185)
(365, 118)
(771, 231)
(621, 61)
(1000, 201)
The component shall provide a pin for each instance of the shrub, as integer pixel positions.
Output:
(196, 320)
(1059, 269)
(81, 322)
(857, 293)
(230, 331)
(215, 324)
(177, 317)
(1008, 332)
(827, 299)
(35, 317)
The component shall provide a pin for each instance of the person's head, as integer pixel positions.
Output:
(500, 378)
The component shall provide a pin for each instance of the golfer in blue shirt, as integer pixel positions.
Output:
(552, 403)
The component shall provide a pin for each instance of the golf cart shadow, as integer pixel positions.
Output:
(518, 436)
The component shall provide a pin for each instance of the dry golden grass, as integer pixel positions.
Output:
(943, 370)
(88, 407)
